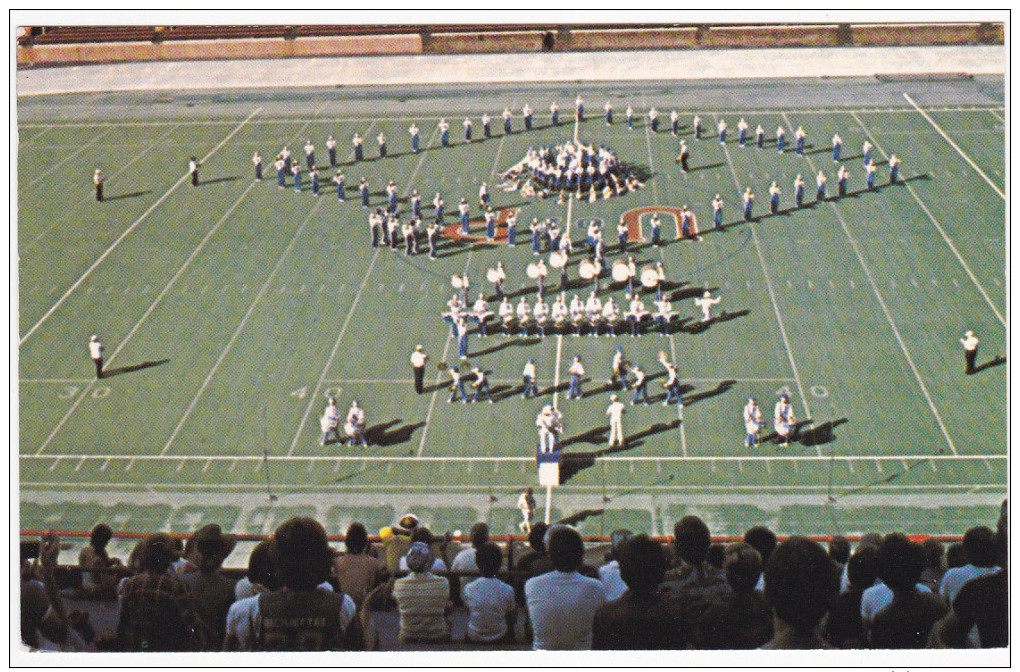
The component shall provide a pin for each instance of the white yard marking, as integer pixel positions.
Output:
(957, 148)
(127, 232)
(66, 159)
(31, 141)
(938, 226)
(888, 316)
(152, 307)
(989, 111)
(240, 327)
(106, 463)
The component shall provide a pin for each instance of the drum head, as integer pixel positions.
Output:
(457, 282)
(557, 259)
(587, 270)
(649, 277)
(533, 271)
(620, 271)
(492, 275)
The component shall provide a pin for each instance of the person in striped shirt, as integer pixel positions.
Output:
(423, 599)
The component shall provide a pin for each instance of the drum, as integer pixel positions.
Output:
(558, 259)
(457, 282)
(587, 269)
(621, 273)
(534, 271)
(649, 277)
(492, 275)
(350, 429)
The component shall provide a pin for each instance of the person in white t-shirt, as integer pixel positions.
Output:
(418, 359)
(96, 353)
(609, 573)
(492, 609)
(615, 413)
(465, 561)
(562, 603)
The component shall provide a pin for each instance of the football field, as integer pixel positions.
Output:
(230, 311)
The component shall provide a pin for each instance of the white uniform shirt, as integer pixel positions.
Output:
(529, 371)
(418, 358)
(969, 343)
(95, 349)
(489, 601)
(615, 412)
(576, 369)
(561, 607)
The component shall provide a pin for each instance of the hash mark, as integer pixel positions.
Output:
(80, 462)
(853, 285)
(54, 465)
(181, 465)
(810, 285)
(131, 463)
(955, 282)
(232, 465)
(205, 467)
(106, 462)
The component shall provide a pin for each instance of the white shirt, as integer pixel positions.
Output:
(968, 343)
(529, 370)
(418, 358)
(954, 579)
(330, 143)
(639, 377)
(489, 601)
(615, 412)
(609, 574)
(878, 597)
(309, 148)
(244, 617)
(562, 606)
(95, 349)
(576, 369)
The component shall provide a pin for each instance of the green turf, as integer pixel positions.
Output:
(235, 309)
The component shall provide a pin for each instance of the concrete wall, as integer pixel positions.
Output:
(501, 42)
(770, 36)
(915, 34)
(648, 38)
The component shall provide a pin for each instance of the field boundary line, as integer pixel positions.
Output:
(672, 342)
(931, 217)
(506, 458)
(888, 316)
(110, 179)
(66, 159)
(127, 232)
(772, 292)
(166, 290)
(241, 326)
(956, 147)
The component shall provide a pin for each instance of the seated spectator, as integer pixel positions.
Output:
(464, 561)
(844, 628)
(868, 539)
(691, 541)
(562, 603)
(42, 608)
(934, 563)
(424, 535)
(609, 573)
(839, 550)
(535, 562)
(955, 556)
(716, 555)
(763, 540)
(980, 548)
(800, 585)
(741, 619)
(982, 603)
(356, 571)
(639, 619)
(260, 577)
(910, 615)
(396, 540)
(211, 591)
(299, 616)
(94, 584)
(492, 610)
(156, 608)
(423, 599)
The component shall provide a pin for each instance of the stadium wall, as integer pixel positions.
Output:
(579, 38)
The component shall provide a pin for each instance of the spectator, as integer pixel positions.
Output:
(97, 584)
(609, 573)
(424, 535)
(260, 577)
(396, 540)
(955, 556)
(299, 616)
(691, 541)
(867, 539)
(639, 619)
(716, 555)
(979, 545)
(763, 540)
(535, 562)
(211, 591)
(42, 608)
(844, 628)
(877, 597)
(800, 584)
(981, 603)
(423, 599)
(908, 619)
(741, 619)
(934, 563)
(465, 560)
(492, 610)
(562, 603)
(156, 608)
(839, 550)
(356, 571)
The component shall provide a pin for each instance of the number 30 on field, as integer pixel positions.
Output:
(70, 391)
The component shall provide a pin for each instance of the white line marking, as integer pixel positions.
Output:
(85, 198)
(938, 226)
(772, 295)
(66, 159)
(956, 147)
(127, 232)
(241, 326)
(30, 141)
(989, 111)
(106, 463)
(145, 316)
(888, 316)
(59, 381)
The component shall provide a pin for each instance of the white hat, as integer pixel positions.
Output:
(96, 338)
(968, 334)
(418, 347)
(707, 294)
(612, 397)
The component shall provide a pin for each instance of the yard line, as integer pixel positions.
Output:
(672, 342)
(989, 111)
(110, 179)
(152, 306)
(772, 293)
(956, 147)
(559, 337)
(66, 159)
(127, 232)
(46, 129)
(241, 326)
(888, 316)
(941, 231)
(350, 313)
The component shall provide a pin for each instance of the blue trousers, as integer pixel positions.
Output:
(511, 235)
(445, 138)
(799, 194)
(718, 218)
(340, 192)
(641, 391)
(673, 392)
(556, 118)
(575, 387)
(741, 138)
(484, 387)
(359, 153)
(893, 174)
(464, 224)
(835, 152)
(529, 387)
(609, 117)
(462, 345)
(747, 211)
(630, 121)
(774, 204)
(800, 146)
(655, 125)
(332, 157)
(781, 143)
(490, 229)
(655, 234)
(467, 133)
(310, 160)
(364, 197)
(382, 150)
(297, 181)
(280, 177)
(258, 171)
(506, 127)
(722, 137)
(527, 122)
(458, 389)
(414, 143)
